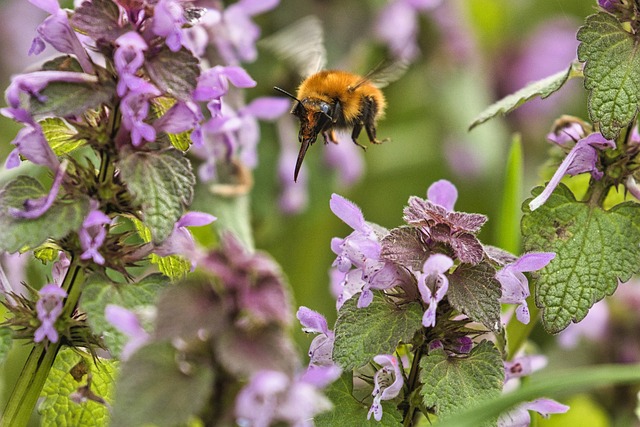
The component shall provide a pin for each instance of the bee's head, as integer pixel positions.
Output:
(315, 118)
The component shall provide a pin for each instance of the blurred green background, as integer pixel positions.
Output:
(472, 53)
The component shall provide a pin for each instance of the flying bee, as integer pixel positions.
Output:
(330, 100)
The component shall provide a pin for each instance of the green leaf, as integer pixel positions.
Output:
(452, 384)
(69, 375)
(62, 217)
(542, 88)
(172, 266)
(65, 99)
(46, 253)
(5, 342)
(162, 183)
(594, 249)
(474, 291)
(157, 387)
(611, 72)
(508, 224)
(175, 73)
(350, 412)
(362, 333)
(60, 136)
(99, 291)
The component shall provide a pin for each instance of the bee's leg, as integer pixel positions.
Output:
(369, 114)
(357, 128)
(329, 136)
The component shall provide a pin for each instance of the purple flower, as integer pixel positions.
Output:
(92, 235)
(33, 83)
(583, 157)
(346, 158)
(168, 18)
(433, 285)
(594, 327)
(515, 286)
(128, 58)
(570, 133)
(236, 35)
(523, 365)
(387, 383)
(135, 107)
(180, 241)
(57, 30)
(48, 309)
(632, 186)
(214, 83)
(397, 26)
(273, 396)
(60, 267)
(35, 208)
(128, 323)
(181, 117)
(609, 5)
(321, 348)
(519, 417)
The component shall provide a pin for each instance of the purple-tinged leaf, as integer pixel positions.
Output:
(405, 246)
(474, 291)
(99, 19)
(175, 73)
(64, 99)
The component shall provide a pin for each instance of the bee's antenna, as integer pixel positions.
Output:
(287, 93)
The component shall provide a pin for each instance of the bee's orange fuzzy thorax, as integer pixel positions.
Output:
(339, 85)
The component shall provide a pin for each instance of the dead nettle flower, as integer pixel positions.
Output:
(48, 309)
(35, 208)
(128, 323)
(321, 347)
(433, 285)
(93, 234)
(273, 396)
(583, 157)
(515, 286)
(519, 416)
(252, 282)
(387, 383)
(359, 255)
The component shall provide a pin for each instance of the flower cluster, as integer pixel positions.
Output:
(420, 258)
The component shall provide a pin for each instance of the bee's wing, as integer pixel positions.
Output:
(384, 73)
(301, 45)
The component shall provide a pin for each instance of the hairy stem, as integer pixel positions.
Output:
(36, 369)
(412, 383)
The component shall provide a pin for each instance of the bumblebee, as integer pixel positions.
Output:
(330, 100)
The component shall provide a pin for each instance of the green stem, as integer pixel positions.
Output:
(412, 383)
(36, 369)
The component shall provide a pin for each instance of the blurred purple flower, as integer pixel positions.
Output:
(236, 35)
(273, 396)
(321, 347)
(583, 157)
(515, 286)
(128, 323)
(92, 235)
(594, 327)
(397, 26)
(548, 50)
(609, 5)
(253, 280)
(181, 242)
(48, 309)
(388, 382)
(433, 285)
(57, 31)
(523, 365)
(60, 267)
(346, 158)
(35, 208)
(565, 135)
(520, 417)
